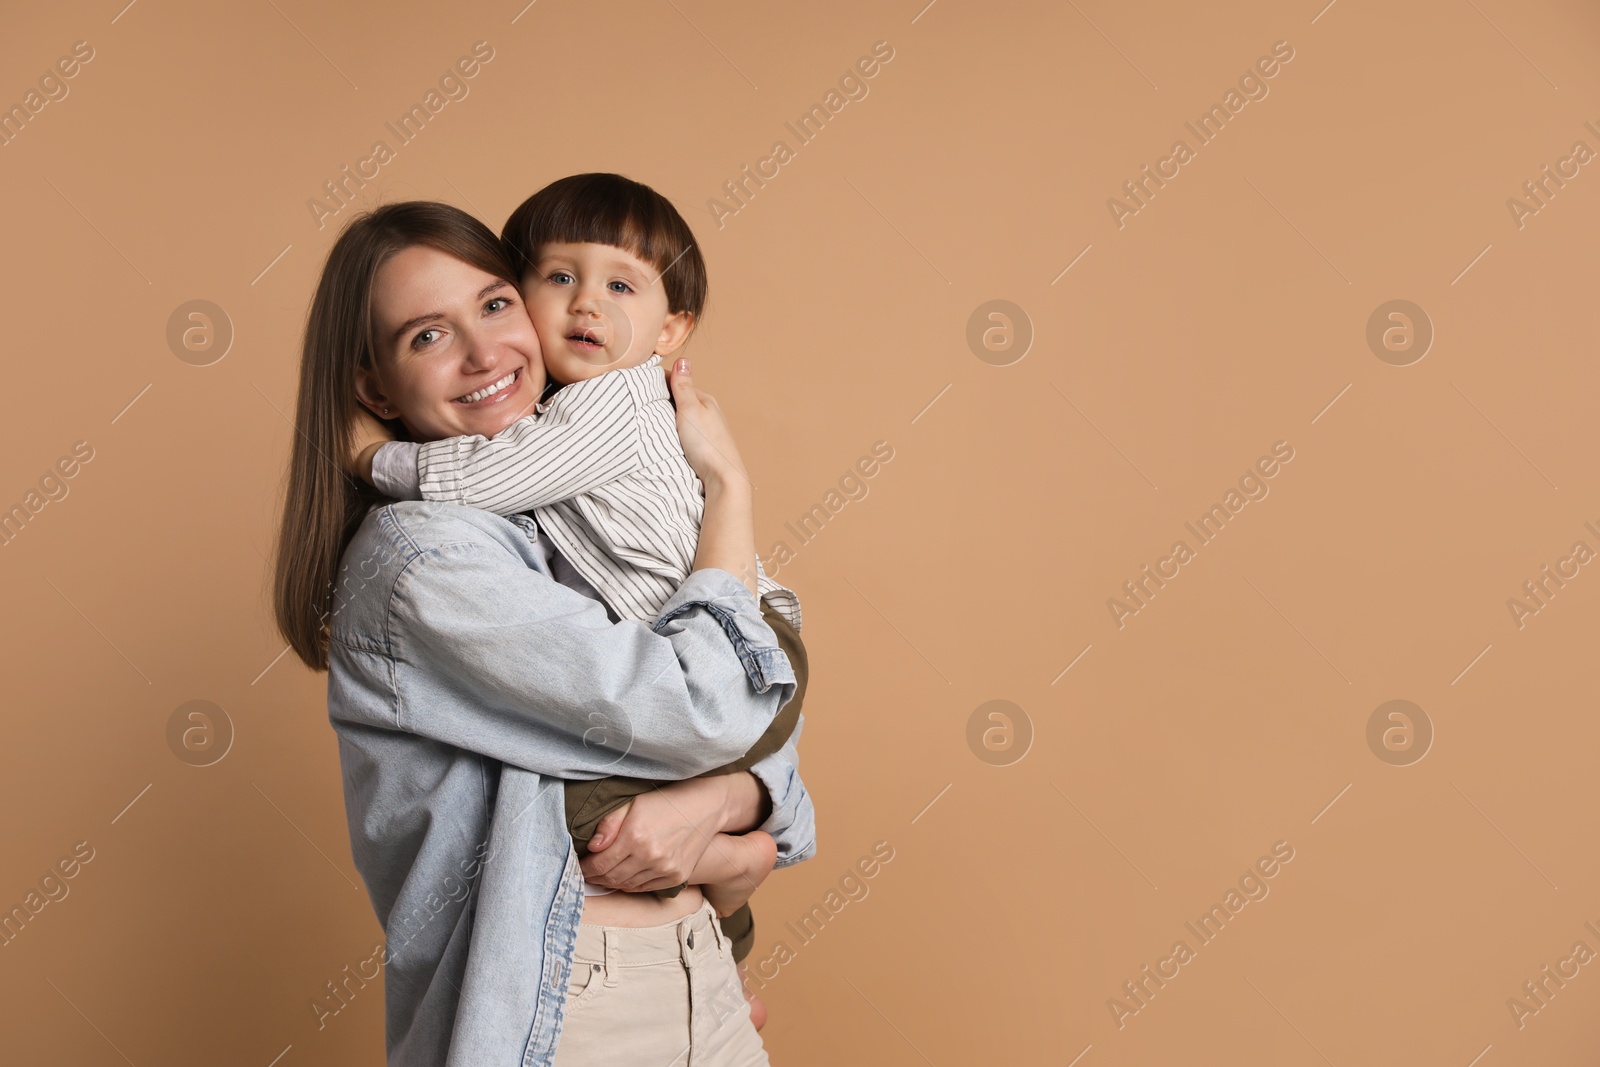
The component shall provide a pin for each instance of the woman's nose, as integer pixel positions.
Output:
(477, 352)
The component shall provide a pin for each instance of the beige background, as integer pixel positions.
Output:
(1228, 314)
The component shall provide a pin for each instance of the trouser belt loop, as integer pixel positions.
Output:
(716, 932)
(611, 957)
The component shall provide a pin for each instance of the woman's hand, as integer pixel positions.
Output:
(368, 433)
(657, 839)
(707, 441)
(728, 528)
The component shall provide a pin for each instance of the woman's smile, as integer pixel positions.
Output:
(495, 392)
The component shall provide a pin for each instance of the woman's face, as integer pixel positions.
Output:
(445, 334)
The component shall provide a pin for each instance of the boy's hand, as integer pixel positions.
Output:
(367, 433)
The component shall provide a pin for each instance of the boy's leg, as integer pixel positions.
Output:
(740, 927)
(777, 732)
(589, 802)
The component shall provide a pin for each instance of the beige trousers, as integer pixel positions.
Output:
(657, 996)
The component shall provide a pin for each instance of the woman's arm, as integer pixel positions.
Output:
(655, 842)
(665, 832)
(662, 834)
(475, 648)
(791, 818)
(728, 530)
(761, 790)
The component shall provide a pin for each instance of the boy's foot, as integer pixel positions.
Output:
(748, 859)
(758, 1009)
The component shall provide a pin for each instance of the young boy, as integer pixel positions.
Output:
(614, 283)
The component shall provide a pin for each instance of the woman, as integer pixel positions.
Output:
(464, 677)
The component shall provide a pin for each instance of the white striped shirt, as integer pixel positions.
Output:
(601, 467)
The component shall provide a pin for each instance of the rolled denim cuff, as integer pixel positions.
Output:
(793, 821)
(799, 856)
(728, 601)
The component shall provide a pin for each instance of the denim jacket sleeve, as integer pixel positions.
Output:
(793, 821)
(485, 652)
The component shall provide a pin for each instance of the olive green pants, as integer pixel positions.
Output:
(588, 802)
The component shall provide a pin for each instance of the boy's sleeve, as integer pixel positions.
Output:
(582, 442)
(394, 470)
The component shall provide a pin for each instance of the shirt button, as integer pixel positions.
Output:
(691, 939)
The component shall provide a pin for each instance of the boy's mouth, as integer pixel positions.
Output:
(588, 339)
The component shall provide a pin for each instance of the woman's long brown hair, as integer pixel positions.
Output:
(324, 504)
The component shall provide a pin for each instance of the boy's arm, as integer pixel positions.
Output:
(573, 449)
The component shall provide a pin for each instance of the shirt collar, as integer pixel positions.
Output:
(647, 374)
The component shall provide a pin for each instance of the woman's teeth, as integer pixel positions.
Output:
(488, 390)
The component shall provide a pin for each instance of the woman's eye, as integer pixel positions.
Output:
(423, 339)
(499, 303)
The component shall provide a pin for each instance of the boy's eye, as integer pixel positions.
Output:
(620, 287)
(558, 277)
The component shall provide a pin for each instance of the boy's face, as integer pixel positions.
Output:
(598, 308)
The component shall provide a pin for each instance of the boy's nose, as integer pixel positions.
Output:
(586, 304)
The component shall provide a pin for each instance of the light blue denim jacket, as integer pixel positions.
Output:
(464, 682)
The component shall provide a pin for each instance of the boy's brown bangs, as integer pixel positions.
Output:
(592, 216)
(610, 209)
